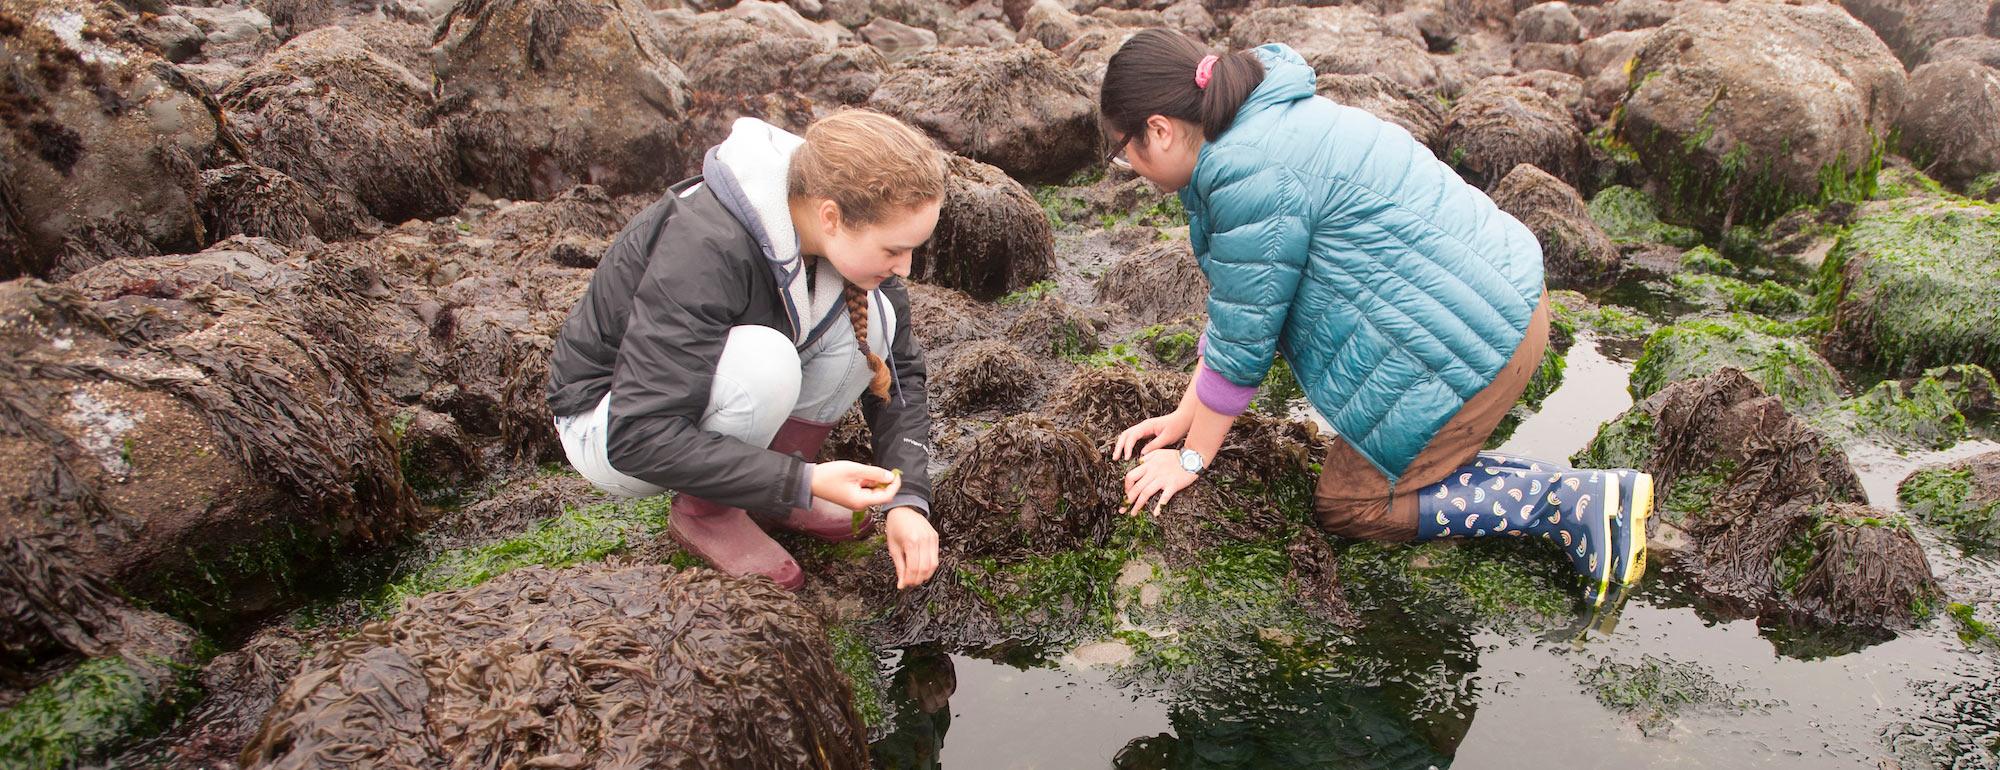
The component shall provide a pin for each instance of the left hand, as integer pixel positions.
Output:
(913, 545)
(1158, 472)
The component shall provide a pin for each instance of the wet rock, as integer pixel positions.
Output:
(991, 238)
(782, 19)
(1157, 283)
(1054, 327)
(171, 37)
(1769, 505)
(897, 41)
(236, 34)
(349, 124)
(1961, 498)
(1346, 40)
(1951, 126)
(1575, 251)
(1626, 15)
(1416, 112)
(1315, 578)
(1018, 108)
(988, 374)
(405, 43)
(606, 666)
(1787, 367)
(238, 689)
(1102, 401)
(1551, 22)
(1027, 486)
(1495, 127)
(434, 454)
(540, 95)
(1985, 50)
(1910, 284)
(1601, 61)
(1743, 111)
(1053, 25)
(261, 202)
(102, 148)
(1911, 27)
(78, 716)
(290, 18)
(736, 69)
(1553, 57)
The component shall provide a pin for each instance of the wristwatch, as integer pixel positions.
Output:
(1191, 461)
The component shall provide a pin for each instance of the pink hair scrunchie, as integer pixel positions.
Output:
(1202, 70)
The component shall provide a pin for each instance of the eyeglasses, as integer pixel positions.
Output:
(1117, 157)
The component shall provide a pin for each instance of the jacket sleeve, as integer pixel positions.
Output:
(1259, 230)
(901, 424)
(682, 311)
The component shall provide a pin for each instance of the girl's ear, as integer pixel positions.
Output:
(829, 215)
(1160, 130)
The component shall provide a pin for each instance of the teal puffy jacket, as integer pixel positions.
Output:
(1395, 290)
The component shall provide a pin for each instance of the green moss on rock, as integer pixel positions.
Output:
(88, 710)
(1765, 297)
(1626, 442)
(1787, 367)
(1934, 411)
(578, 536)
(1502, 583)
(1911, 285)
(1946, 498)
(1631, 218)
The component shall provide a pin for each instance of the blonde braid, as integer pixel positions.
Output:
(857, 312)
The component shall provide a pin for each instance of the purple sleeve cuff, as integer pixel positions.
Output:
(1219, 394)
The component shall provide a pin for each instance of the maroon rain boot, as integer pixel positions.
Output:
(824, 520)
(728, 540)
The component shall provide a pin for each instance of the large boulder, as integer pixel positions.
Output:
(1786, 367)
(736, 69)
(1575, 251)
(1744, 111)
(1497, 126)
(1911, 27)
(1018, 108)
(991, 237)
(1961, 498)
(1770, 508)
(1910, 286)
(589, 666)
(182, 419)
(1551, 22)
(352, 125)
(103, 145)
(1601, 61)
(1951, 127)
(540, 95)
(1985, 50)
(1346, 40)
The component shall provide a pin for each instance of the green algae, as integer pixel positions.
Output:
(1935, 411)
(1174, 346)
(578, 536)
(859, 664)
(1028, 296)
(1279, 389)
(1787, 367)
(1626, 442)
(1655, 690)
(1702, 259)
(1629, 217)
(89, 710)
(1766, 297)
(1971, 630)
(1945, 498)
(1910, 285)
(1500, 583)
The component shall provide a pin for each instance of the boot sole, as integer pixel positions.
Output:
(1635, 532)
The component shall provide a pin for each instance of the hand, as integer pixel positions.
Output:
(913, 546)
(1165, 429)
(1160, 472)
(854, 485)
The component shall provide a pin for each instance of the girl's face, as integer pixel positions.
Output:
(1164, 153)
(867, 256)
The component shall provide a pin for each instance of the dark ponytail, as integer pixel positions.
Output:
(1154, 74)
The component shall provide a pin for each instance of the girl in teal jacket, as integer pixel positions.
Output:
(1410, 308)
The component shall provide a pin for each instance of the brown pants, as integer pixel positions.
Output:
(1353, 498)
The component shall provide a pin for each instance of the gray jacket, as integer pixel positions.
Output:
(651, 327)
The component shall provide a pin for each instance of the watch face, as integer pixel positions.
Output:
(1190, 461)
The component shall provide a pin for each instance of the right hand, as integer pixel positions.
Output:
(1165, 430)
(854, 485)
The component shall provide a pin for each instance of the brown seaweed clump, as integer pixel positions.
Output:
(594, 666)
(988, 374)
(1157, 283)
(1054, 327)
(1027, 486)
(991, 237)
(1102, 401)
(1770, 504)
